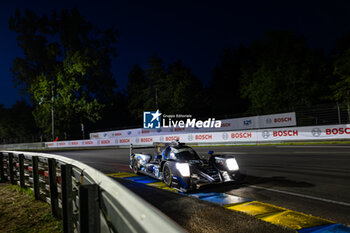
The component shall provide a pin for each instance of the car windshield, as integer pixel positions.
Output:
(186, 153)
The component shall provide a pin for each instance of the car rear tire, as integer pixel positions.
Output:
(167, 175)
(134, 166)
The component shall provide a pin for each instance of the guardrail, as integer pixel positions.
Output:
(256, 136)
(86, 199)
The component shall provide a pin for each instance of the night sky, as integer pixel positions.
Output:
(193, 31)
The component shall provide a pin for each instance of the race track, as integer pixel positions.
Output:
(310, 179)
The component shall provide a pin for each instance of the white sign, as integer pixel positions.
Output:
(313, 133)
(255, 122)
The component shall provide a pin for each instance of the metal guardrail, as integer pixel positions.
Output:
(86, 199)
(23, 146)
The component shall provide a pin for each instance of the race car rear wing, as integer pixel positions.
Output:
(139, 147)
(157, 146)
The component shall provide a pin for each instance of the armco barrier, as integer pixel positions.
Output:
(309, 133)
(23, 146)
(86, 199)
(271, 135)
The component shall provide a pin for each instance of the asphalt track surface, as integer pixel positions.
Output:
(310, 179)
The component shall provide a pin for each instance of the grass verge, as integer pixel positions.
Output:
(21, 213)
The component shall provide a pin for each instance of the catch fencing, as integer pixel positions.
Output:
(86, 199)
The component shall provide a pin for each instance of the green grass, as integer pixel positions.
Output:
(21, 213)
(16, 188)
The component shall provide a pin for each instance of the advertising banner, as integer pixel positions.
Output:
(244, 123)
(324, 132)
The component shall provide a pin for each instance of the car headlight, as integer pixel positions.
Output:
(183, 168)
(232, 164)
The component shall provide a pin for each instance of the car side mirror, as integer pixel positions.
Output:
(210, 152)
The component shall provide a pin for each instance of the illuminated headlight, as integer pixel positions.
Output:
(232, 164)
(183, 168)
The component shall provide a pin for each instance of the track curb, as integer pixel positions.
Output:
(302, 223)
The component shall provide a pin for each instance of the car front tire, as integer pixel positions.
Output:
(167, 175)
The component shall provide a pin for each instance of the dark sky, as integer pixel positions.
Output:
(193, 31)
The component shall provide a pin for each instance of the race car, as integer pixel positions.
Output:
(180, 167)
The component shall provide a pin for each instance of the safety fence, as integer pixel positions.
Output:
(86, 199)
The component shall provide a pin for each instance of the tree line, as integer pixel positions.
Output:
(66, 68)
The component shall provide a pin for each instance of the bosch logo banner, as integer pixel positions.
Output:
(225, 125)
(145, 132)
(172, 138)
(282, 119)
(146, 139)
(151, 120)
(336, 131)
(316, 132)
(285, 133)
(105, 142)
(241, 135)
(261, 135)
(190, 137)
(204, 137)
(126, 140)
(265, 134)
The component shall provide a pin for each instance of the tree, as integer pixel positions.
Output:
(17, 124)
(68, 59)
(181, 91)
(225, 96)
(341, 89)
(341, 69)
(156, 76)
(173, 90)
(137, 88)
(279, 74)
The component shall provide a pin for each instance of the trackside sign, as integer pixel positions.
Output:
(324, 132)
(178, 123)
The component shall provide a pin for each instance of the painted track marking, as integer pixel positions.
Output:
(303, 223)
(313, 147)
(302, 195)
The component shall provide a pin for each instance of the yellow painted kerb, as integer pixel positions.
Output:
(278, 215)
(122, 174)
